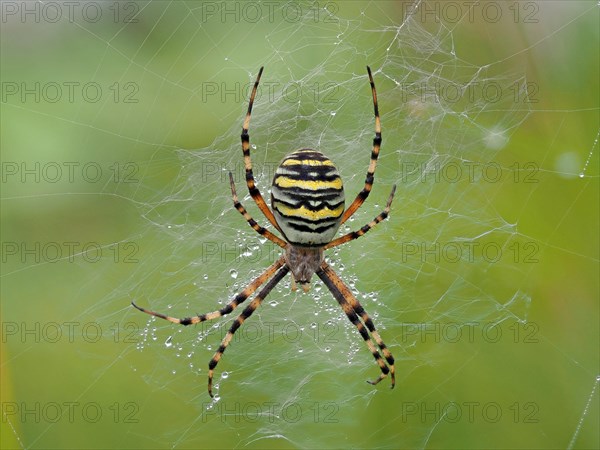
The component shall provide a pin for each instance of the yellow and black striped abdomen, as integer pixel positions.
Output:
(307, 197)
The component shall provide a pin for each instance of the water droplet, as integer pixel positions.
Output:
(327, 349)
(225, 375)
(333, 113)
(233, 273)
(169, 342)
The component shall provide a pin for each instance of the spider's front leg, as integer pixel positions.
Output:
(254, 304)
(353, 308)
(237, 300)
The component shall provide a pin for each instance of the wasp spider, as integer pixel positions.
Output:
(307, 200)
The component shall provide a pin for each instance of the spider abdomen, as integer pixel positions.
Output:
(307, 197)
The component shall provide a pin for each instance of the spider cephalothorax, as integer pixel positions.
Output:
(307, 198)
(303, 263)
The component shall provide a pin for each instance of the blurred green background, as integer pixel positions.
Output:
(119, 123)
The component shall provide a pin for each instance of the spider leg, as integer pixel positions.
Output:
(352, 307)
(238, 299)
(356, 234)
(254, 192)
(254, 304)
(260, 230)
(362, 195)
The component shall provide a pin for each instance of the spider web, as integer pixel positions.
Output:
(451, 279)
